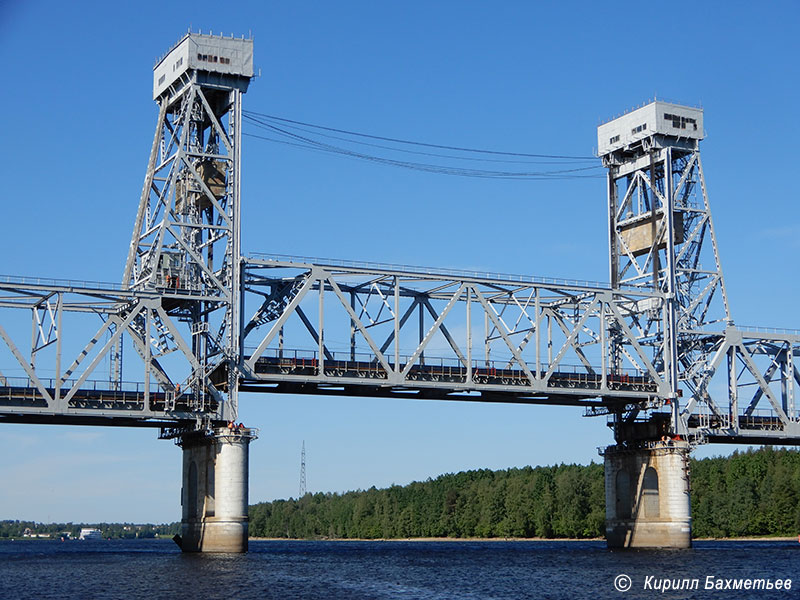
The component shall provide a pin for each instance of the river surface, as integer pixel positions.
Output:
(155, 569)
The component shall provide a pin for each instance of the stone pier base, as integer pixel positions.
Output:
(647, 496)
(214, 495)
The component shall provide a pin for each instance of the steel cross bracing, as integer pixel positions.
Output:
(330, 328)
(743, 387)
(186, 238)
(541, 342)
(194, 323)
(177, 309)
(725, 383)
(58, 380)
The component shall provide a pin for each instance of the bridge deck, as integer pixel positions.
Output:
(438, 372)
(301, 372)
(97, 403)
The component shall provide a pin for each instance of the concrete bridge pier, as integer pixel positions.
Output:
(647, 495)
(214, 495)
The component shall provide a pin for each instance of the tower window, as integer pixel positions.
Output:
(679, 122)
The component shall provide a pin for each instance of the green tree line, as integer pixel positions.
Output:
(748, 493)
(756, 492)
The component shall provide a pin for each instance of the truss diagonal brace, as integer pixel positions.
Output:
(495, 320)
(445, 333)
(753, 368)
(571, 337)
(632, 340)
(121, 326)
(565, 330)
(436, 325)
(721, 352)
(403, 320)
(312, 331)
(378, 354)
(250, 364)
(85, 352)
(26, 365)
(759, 392)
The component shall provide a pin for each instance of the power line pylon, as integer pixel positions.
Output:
(303, 471)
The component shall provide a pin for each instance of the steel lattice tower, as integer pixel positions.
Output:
(661, 235)
(303, 471)
(186, 238)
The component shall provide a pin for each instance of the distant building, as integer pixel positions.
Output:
(89, 533)
(29, 533)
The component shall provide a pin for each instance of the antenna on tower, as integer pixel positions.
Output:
(303, 471)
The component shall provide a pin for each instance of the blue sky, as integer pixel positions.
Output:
(533, 77)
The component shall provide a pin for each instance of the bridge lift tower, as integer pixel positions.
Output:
(655, 351)
(661, 237)
(186, 244)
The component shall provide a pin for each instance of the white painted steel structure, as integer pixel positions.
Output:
(661, 238)
(203, 58)
(196, 322)
(655, 349)
(655, 118)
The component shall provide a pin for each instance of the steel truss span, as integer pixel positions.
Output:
(725, 384)
(380, 331)
(194, 322)
(78, 335)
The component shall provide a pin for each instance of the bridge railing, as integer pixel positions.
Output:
(86, 386)
(768, 330)
(311, 357)
(434, 272)
(60, 283)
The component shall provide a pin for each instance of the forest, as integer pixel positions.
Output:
(751, 493)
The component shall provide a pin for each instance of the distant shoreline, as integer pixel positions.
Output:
(427, 539)
(510, 539)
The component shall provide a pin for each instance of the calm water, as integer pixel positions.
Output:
(155, 569)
